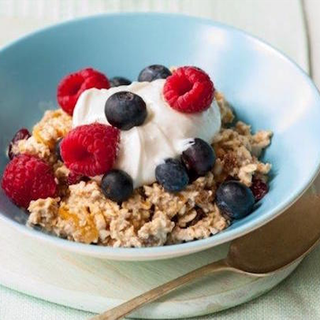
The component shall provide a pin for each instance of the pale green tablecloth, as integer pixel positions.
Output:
(295, 298)
(280, 22)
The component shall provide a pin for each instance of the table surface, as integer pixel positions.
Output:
(290, 25)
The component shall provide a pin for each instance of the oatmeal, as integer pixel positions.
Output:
(53, 126)
(152, 216)
(149, 211)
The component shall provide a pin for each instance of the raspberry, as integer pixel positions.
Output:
(91, 149)
(28, 178)
(74, 178)
(259, 189)
(22, 134)
(189, 90)
(71, 87)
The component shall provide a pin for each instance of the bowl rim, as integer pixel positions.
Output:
(170, 251)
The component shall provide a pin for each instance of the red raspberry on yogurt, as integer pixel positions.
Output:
(71, 87)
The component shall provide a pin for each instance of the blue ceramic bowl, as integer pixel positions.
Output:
(266, 89)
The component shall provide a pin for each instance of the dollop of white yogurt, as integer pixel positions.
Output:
(166, 133)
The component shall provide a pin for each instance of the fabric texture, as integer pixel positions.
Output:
(295, 298)
(279, 22)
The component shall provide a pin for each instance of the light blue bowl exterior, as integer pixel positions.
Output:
(266, 89)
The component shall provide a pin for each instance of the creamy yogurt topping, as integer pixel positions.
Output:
(166, 133)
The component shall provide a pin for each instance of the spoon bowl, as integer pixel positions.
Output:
(280, 242)
(260, 253)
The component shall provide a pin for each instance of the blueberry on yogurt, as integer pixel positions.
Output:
(154, 72)
(125, 110)
(119, 81)
(199, 158)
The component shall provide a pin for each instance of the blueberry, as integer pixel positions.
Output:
(119, 81)
(235, 199)
(58, 150)
(154, 72)
(199, 158)
(125, 110)
(117, 185)
(172, 175)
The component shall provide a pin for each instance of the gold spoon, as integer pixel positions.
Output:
(270, 248)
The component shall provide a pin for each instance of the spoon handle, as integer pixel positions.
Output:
(124, 309)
